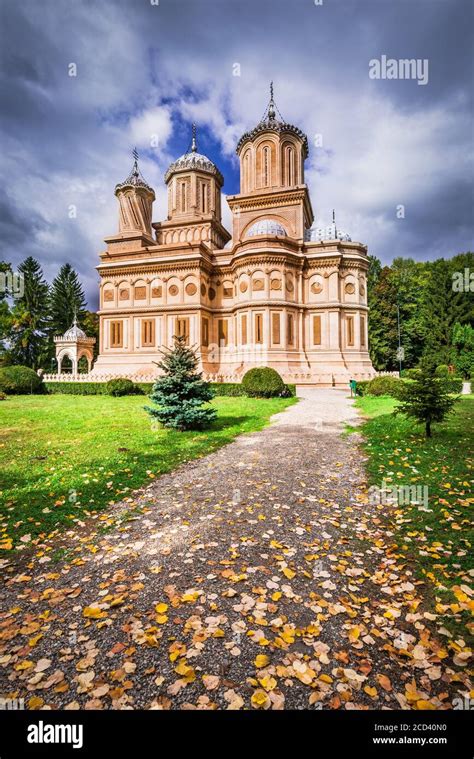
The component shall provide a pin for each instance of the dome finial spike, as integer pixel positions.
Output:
(193, 143)
(271, 105)
(135, 161)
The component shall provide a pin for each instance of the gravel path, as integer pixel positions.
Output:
(257, 577)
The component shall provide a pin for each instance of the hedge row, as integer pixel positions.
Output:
(100, 388)
(387, 385)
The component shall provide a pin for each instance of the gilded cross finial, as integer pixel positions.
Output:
(193, 143)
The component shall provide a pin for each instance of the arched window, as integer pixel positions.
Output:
(183, 196)
(266, 167)
(246, 172)
(203, 197)
(290, 166)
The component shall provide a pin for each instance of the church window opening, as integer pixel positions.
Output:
(183, 196)
(316, 330)
(290, 166)
(244, 329)
(116, 334)
(205, 332)
(350, 330)
(182, 328)
(290, 330)
(276, 329)
(148, 332)
(266, 167)
(259, 328)
(222, 332)
(362, 331)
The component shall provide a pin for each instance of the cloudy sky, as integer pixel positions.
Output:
(147, 69)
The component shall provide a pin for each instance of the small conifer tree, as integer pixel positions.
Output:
(181, 392)
(426, 398)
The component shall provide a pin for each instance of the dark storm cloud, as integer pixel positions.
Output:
(144, 70)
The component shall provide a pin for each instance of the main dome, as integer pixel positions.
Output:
(266, 227)
(269, 121)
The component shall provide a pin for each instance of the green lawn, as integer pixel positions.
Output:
(64, 456)
(439, 540)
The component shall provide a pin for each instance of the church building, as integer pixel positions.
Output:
(273, 291)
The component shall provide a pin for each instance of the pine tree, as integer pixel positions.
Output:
(5, 312)
(67, 300)
(181, 392)
(30, 318)
(426, 398)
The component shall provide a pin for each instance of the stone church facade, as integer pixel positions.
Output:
(274, 291)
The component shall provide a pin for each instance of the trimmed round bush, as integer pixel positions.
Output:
(263, 382)
(20, 380)
(121, 386)
(385, 385)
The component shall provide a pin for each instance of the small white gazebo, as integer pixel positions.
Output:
(74, 344)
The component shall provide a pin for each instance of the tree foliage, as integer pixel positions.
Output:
(428, 304)
(67, 300)
(28, 337)
(181, 392)
(426, 398)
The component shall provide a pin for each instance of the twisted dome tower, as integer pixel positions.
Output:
(136, 198)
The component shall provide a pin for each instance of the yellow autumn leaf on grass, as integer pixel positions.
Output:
(261, 661)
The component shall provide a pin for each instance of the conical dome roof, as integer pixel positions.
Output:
(269, 121)
(192, 160)
(135, 178)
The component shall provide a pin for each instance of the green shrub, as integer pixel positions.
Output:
(76, 388)
(411, 374)
(385, 385)
(3, 396)
(442, 371)
(453, 384)
(263, 382)
(121, 386)
(230, 389)
(20, 380)
(361, 387)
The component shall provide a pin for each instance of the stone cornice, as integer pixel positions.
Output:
(241, 306)
(280, 197)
